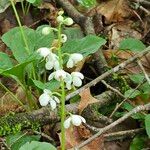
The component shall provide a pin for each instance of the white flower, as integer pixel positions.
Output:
(68, 81)
(77, 78)
(60, 19)
(74, 120)
(58, 75)
(47, 98)
(63, 38)
(68, 21)
(74, 78)
(46, 30)
(74, 59)
(52, 62)
(44, 51)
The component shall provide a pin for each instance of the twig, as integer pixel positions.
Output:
(122, 134)
(112, 89)
(44, 135)
(102, 130)
(142, 68)
(106, 74)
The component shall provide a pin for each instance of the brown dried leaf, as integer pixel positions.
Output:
(73, 138)
(114, 10)
(133, 67)
(86, 99)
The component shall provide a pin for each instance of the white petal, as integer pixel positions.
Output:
(77, 74)
(44, 51)
(53, 104)
(70, 63)
(76, 57)
(76, 120)
(83, 120)
(68, 86)
(44, 99)
(56, 99)
(67, 123)
(77, 81)
(49, 65)
(56, 65)
(51, 76)
(60, 74)
(46, 91)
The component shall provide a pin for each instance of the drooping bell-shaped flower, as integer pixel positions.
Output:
(44, 51)
(74, 59)
(52, 61)
(74, 120)
(77, 78)
(48, 99)
(58, 75)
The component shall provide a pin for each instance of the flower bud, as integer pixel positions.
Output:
(61, 12)
(63, 38)
(60, 19)
(68, 21)
(46, 30)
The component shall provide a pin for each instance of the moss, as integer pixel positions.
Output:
(9, 126)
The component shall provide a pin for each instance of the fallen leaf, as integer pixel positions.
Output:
(86, 99)
(114, 10)
(73, 138)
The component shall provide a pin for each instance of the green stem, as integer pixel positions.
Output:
(63, 95)
(23, 35)
(13, 96)
(21, 29)
(22, 5)
(27, 8)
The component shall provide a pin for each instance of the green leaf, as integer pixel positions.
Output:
(138, 143)
(5, 61)
(34, 145)
(129, 107)
(73, 33)
(19, 139)
(147, 124)
(87, 3)
(132, 44)
(4, 4)
(13, 39)
(31, 1)
(137, 78)
(132, 93)
(18, 70)
(52, 85)
(86, 46)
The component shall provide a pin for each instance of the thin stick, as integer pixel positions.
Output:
(142, 68)
(103, 130)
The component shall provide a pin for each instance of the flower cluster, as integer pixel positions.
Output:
(53, 63)
(66, 21)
